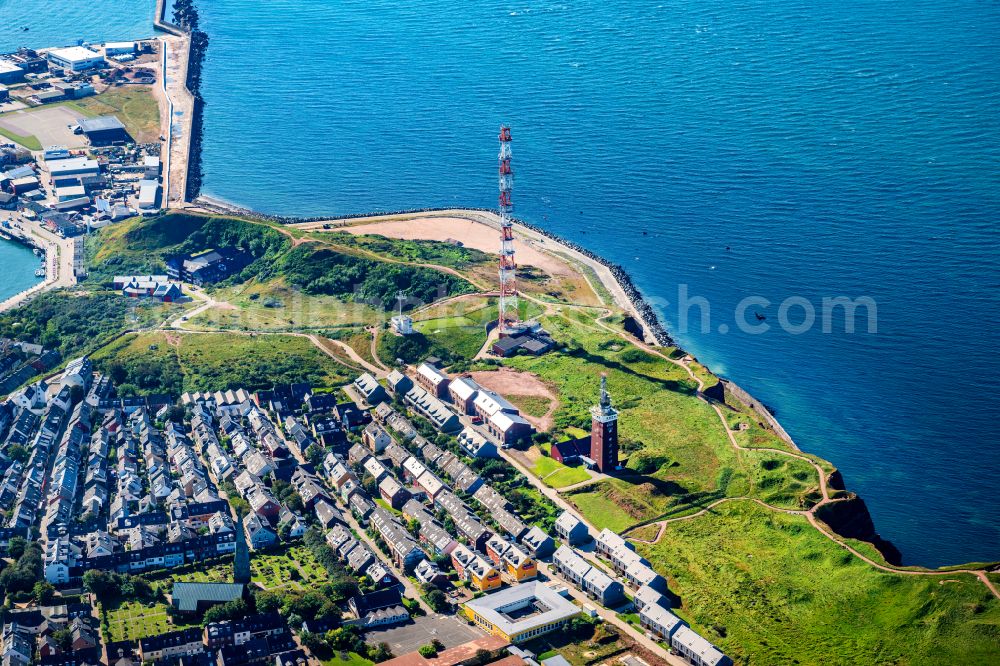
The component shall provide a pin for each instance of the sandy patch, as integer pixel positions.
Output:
(469, 233)
(511, 383)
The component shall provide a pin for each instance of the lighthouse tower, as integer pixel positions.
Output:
(604, 431)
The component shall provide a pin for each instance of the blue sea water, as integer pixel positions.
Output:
(63, 22)
(848, 148)
(18, 269)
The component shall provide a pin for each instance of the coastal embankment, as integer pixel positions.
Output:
(183, 78)
(59, 258)
(183, 52)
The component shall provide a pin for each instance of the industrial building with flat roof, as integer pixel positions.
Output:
(522, 612)
(75, 58)
(73, 166)
(10, 72)
(104, 130)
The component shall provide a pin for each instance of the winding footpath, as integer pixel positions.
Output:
(555, 496)
(810, 513)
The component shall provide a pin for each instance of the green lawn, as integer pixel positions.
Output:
(272, 305)
(132, 620)
(416, 251)
(30, 141)
(532, 405)
(353, 659)
(459, 327)
(678, 453)
(557, 475)
(567, 476)
(134, 105)
(769, 589)
(176, 362)
(600, 509)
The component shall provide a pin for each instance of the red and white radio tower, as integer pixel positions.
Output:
(508, 320)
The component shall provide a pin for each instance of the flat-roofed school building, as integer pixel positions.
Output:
(522, 612)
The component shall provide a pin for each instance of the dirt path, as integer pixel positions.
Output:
(508, 382)
(374, 350)
(810, 514)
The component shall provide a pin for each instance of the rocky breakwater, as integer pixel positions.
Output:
(186, 19)
(649, 318)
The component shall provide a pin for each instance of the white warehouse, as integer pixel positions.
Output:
(75, 58)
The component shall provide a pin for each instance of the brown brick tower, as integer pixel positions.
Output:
(604, 432)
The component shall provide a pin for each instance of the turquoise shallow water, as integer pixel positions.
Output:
(848, 148)
(17, 269)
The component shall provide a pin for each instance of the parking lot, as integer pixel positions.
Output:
(48, 124)
(409, 637)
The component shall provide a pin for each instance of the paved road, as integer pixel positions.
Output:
(611, 617)
(59, 257)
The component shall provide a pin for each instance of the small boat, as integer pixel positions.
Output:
(40, 272)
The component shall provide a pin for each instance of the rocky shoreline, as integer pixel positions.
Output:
(650, 319)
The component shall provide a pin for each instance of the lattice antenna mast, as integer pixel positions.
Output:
(508, 286)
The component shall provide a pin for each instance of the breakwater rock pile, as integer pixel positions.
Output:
(186, 18)
(624, 280)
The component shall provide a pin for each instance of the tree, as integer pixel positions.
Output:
(428, 651)
(284, 531)
(437, 600)
(236, 609)
(98, 583)
(381, 652)
(15, 549)
(240, 505)
(23, 574)
(63, 638)
(267, 602)
(315, 643)
(44, 591)
(18, 453)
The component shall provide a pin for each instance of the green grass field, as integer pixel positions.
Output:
(274, 306)
(132, 620)
(29, 141)
(769, 589)
(415, 251)
(532, 405)
(176, 362)
(460, 326)
(353, 659)
(557, 475)
(677, 449)
(134, 105)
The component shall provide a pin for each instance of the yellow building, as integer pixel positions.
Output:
(483, 576)
(519, 565)
(511, 558)
(475, 569)
(521, 612)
